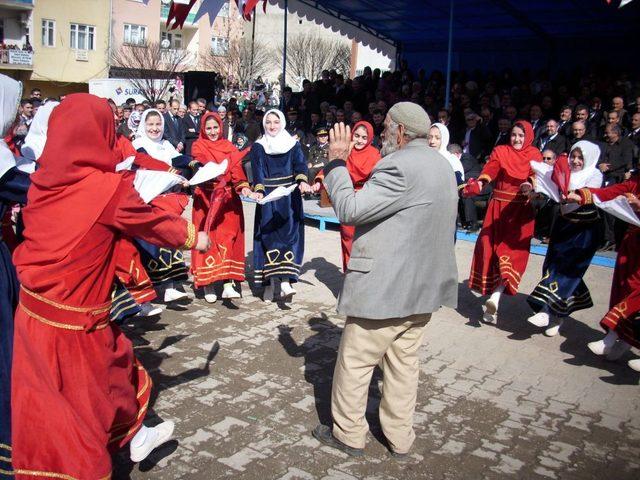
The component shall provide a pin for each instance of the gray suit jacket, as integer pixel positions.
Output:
(403, 260)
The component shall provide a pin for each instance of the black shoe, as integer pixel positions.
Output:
(324, 435)
(399, 457)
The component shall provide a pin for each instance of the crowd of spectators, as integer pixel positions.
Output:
(597, 106)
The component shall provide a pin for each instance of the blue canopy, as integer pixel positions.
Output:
(486, 33)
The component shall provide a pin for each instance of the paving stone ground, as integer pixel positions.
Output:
(246, 383)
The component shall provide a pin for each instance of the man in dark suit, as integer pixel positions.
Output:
(535, 117)
(477, 139)
(592, 126)
(564, 125)
(174, 130)
(504, 127)
(467, 209)
(552, 140)
(192, 125)
(634, 136)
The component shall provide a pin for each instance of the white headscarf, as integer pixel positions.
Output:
(37, 136)
(159, 149)
(451, 158)
(282, 142)
(589, 176)
(10, 93)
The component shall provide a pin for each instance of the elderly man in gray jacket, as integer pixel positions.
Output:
(402, 269)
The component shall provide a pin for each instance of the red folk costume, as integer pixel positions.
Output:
(129, 267)
(360, 164)
(225, 259)
(79, 394)
(624, 304)
(502, 249)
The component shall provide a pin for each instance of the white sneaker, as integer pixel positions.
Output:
(210, 294)
(155, 436)
(598, 347)
(267, 296)
(618, 350)
(554, 329)
(490, 307)
(229, 292)
(489, 317)
(147, 309)
(634, 364)
(540, 319)
(286, 290)
(171, 295)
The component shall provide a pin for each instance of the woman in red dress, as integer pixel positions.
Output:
(360, 163)
(502, 249)
(77, 390)
(622, 321)
(225, 260)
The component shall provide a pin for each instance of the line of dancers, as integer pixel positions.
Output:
(93, 252)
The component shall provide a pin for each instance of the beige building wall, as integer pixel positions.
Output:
(60, 68)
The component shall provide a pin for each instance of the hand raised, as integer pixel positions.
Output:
(339, 142)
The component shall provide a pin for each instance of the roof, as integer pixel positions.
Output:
(423, 26)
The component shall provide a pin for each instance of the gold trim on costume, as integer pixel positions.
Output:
(37, 473)
(191, 237)
(302, 176)
(65, 326)
(484, 177)
(258, 187)
(97, 310)
(5, 459)
(5, 446)
(585, 195)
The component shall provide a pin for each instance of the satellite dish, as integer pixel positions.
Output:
(165, 43)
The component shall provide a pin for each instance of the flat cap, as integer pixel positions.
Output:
(412, 116)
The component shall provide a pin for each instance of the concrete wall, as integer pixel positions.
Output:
(59, 63)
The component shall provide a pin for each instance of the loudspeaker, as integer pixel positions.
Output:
(200, 85)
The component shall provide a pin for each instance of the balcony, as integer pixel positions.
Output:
(17, 4)
(164, 14)
(16, 59)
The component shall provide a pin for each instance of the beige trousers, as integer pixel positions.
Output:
(393, 344)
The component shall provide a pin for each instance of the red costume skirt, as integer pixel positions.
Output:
(502, 249)
(78, 393)
(346, 240)
(624, 314)
(131, 272)
(225, 259)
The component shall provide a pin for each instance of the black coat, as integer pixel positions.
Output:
(174, 131)
(192, 130)
(558, 144)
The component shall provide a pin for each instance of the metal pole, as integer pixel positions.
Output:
(253, 37)
(284, 50)
(448, 90)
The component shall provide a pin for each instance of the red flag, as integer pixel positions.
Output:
(246, 7)
(562, 173)
(178, 12)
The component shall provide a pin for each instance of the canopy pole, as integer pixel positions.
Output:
(284, 50)
(448, 88)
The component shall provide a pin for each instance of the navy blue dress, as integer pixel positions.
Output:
(573, 243)
(13, 189)
(278, 239)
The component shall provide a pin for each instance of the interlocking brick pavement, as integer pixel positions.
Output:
(246, 383)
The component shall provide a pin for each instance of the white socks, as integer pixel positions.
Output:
(286, 289)
(229, 292)
(635, 364)
(540, 319)
(267, 296)
(141, 436)
(210, 294)
(604, 346)
(491, 305)
(171, 294)
(554, 329)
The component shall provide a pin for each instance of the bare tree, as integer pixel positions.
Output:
(241, 60)
(149, 67)
(308, 54)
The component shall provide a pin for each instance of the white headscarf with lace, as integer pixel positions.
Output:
(10, 94)
(159, 148)
(37, 136)
(451, 158)
(282, 142)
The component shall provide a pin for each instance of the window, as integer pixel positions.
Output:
(135, 34)
(220, 46)
(174, 39)
(83, 37)
(48, 33)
